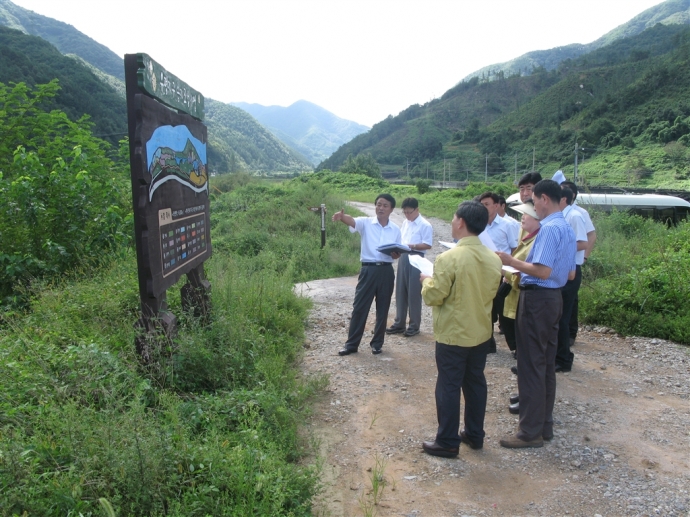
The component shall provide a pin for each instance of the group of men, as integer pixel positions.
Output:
(463, 295)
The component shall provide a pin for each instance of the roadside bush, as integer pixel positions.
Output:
(637, 280)
(65, 205)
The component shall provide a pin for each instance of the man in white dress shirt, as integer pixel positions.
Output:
(418, 234)
(376, 277)
(564, 357)
(591, 239)
(505, 238)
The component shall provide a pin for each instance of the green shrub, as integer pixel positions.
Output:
(637, 280)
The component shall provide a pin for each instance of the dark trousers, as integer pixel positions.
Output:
(508, 326)
(374, 282)
(536, 332)
(408, 294)
(460, 367)
(564, 357)
(573, 317)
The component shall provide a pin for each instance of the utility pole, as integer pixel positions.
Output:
(443, 183)
(407, 167)
(516, 167)
(534, 150)
(486, 169)
(575, 173)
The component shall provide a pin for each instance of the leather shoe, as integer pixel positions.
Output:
(346, 351)
(547, 437)
(513, 369)
(562, 369)
(513, 442)
(473, 445)
(436, 450)
(410, 333)
(514, 398)
(376, 351)
(394, 330)
(514, 408)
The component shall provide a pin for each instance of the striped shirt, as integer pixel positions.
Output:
(554, 247)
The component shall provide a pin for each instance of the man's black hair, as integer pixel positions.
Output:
(571, 186)
(387, 197)
(475, 215)
(485, 195)
(530, 177)
(548, 187)
(501, 200)
(410, 202)
(567, 194)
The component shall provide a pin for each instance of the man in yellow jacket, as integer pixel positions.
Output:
(461, 293)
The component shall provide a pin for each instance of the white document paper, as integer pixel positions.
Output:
(483, 237)
(425, 266)
(487, 241)
(510, 269)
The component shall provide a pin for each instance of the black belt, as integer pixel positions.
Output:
(377, 263)
(535, 287)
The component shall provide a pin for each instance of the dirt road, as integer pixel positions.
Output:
(622, 434)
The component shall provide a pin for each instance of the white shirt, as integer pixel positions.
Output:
(504, 234)
(418, 231)
(577, 223)
(373, 236)
(589, 227)
(510, 220)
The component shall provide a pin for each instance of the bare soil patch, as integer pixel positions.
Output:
(622, 434)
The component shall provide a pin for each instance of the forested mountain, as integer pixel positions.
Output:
(33, 60)
(64, 37)
(238, 142)
(625, 104)
(671, 12)
(305, 127)
(91, 82)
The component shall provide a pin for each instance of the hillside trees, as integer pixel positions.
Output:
(362, 164)
(64, 202)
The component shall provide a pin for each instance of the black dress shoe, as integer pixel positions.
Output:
(473, 445)
(513, 369)
(346, 351)
(561, 369)
(436, 450)
(394, 330)
(514, 408)
(410, 333)
(376, 351)
(515, 398)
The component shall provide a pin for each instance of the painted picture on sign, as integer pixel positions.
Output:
(174, 154)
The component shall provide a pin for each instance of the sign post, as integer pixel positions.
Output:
(322, 210)
(170, 195)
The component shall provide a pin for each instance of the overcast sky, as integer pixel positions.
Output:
(360, 59)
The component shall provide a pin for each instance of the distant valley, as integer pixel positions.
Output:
(305, 127)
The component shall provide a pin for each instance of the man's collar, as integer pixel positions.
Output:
(376, 221)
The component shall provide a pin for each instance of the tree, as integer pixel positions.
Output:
(63, 202)
(362, 164)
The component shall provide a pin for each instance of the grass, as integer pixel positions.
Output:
(211, 425)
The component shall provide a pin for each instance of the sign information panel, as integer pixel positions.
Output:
(170, 190)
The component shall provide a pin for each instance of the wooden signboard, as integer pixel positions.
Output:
(170, 191)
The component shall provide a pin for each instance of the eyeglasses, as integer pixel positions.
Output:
(409, 212)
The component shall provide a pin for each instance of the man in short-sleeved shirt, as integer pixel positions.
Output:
(564, 357)
(376, 277)
(547, 269)
(418, 234)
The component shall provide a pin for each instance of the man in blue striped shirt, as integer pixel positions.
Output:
(549, 265)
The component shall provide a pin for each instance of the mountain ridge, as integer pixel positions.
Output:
(311, 130)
